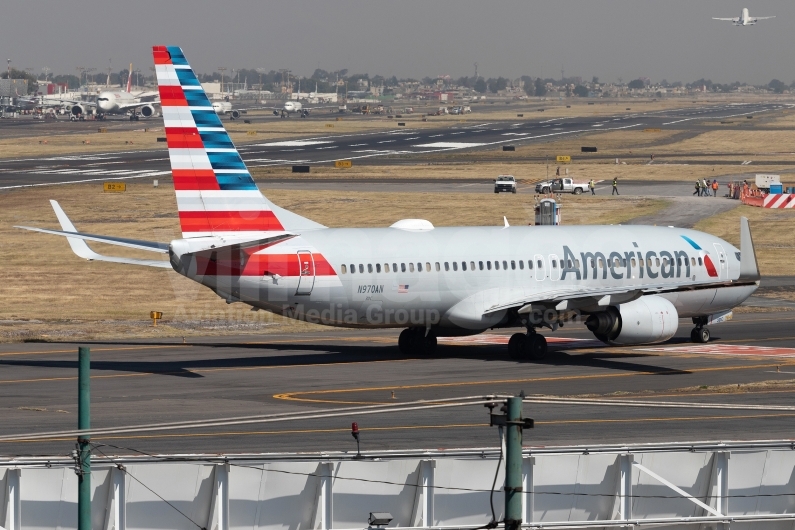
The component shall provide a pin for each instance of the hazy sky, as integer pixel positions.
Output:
(671, 39)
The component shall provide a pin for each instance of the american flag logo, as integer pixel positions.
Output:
(403, 288)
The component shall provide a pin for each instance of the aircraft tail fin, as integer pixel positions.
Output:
(215, 192)
(129, 80)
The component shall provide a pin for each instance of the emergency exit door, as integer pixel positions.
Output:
(306, 272)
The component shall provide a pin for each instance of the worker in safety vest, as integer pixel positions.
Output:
(615, 186)
(592, 186)
(714, 188)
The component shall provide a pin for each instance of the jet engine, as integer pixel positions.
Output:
(234, 114)
(147, 111)
(77, 110)
(647, 320)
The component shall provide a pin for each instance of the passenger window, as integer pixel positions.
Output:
(554, 264)
(601, 263)
(438, 268)
(455, 265)
(513, 265)
(504, 265)
(402, 267)
(616, 263)
(699, 261)
(657, 261)
(692, 260)
(540, 264)
(480, 265)
(529, 264)
(377, 267)
(488, 265)
(577, 263)
(344, 269)
(463, 265)
(496, 265)
(633, 262)
(472, 265)
(446, 266)
(427, 266)
(521, 264)
(353, 268)
(419, 267)
(386, 267)
(370, 268)
(648, 262)
(394, 267)
(361, 268)
(411, 267)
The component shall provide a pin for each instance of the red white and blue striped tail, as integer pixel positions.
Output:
(216, 195)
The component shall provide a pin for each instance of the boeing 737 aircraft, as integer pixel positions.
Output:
(630, 283)
(744, 19)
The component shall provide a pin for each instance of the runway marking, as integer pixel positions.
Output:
(151, 174)
(451, 145)
(291, 396)
(293, 143)
(487, 338)
(726, 349)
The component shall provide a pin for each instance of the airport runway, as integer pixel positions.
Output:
(137, 382)
(397, 145)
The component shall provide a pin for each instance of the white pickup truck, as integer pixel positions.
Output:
(561, 185)
(505, 183)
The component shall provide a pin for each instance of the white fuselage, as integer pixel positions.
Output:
(293, 106)
(111, 102)
(453, 278)
(745, 18)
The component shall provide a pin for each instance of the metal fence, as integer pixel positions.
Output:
(704, 485)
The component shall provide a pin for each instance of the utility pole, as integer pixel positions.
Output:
(83, 452)
(222, 70)
(476, 72)
(514, 423)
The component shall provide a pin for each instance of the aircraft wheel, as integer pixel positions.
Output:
(404, 341)
(536, 347)
(700, 335)
(516, 345)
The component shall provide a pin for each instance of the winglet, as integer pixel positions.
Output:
(749, 267)
(78, 246)
(505, 219)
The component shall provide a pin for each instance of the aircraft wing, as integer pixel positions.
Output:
(764, 18)
(77, 241)
(128, 106)
(735, 19)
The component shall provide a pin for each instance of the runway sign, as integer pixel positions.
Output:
(343, 164)
(652, 130)
(251, 133)
(725, 349)
(115, 187)
(329, 125)
(565, 159)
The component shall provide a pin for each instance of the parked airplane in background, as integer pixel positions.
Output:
(744, 19)
(118, 102)
(632, 283)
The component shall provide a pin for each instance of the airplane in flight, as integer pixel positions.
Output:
(118, 102)
(744, 19)
(630, 284)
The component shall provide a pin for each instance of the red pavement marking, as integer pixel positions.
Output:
(503, 339)
(726, 349)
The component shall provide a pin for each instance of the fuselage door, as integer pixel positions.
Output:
(538, 264)
(723, 262)
(306, 272)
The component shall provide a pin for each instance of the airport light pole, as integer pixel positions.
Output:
(83, 453)
(222, 70)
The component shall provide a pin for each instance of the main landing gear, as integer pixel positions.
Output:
(700, 333)
(528, 345)
(415, 341)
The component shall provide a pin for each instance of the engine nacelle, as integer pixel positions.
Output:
(77, 110)
(235, 114)
(647, 320)
(147, 111)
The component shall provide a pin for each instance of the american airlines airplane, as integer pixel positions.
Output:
(631, 284)
(744, 19)
(118, 102)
